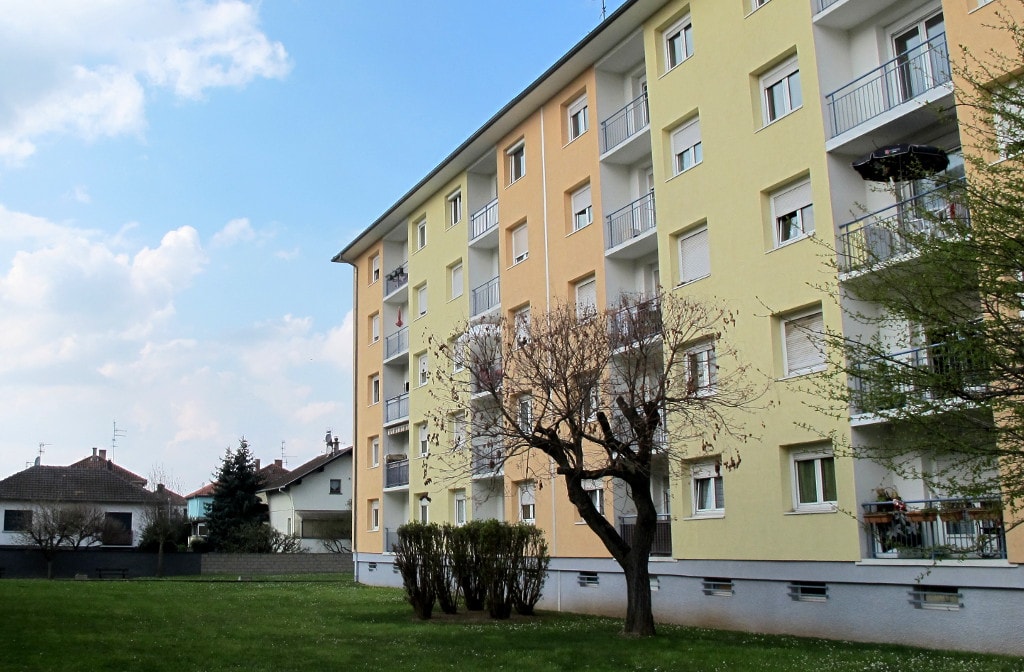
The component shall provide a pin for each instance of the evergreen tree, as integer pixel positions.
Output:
(235, 509)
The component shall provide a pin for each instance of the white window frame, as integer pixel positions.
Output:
(460, 514)
(528, 502)
(424, 508)
(786, 75)
(701, 368)
(458, 349)
(821, 458)
(456, 280)
(374, 515)
(375, 451)
(687, 147)
(1008, 143)
(524, 413)
(421, 300)
(454, 202)
(792, 206)
(516, 155)
(520, 244)
(706, 480)
(757, 4)
(521, 326)
(421, 233)
(582, 208)
(374, 268)
(587, 290)
(457, 424)
(422, 369)
(595, 490)
(804, 330)
(375, 389)
(680, 32)
(374, 327)
(694, 255)
(423, 437)
(577, 118)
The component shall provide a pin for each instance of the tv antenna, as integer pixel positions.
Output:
(284, 458)
(39, 458)
(118, 433)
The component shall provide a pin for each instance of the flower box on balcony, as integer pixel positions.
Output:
(923, 515)
(985, 513)
(877, 518)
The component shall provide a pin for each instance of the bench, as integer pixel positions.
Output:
(112, 572)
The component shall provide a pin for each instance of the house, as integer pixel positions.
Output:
(314, 500)
(198, 501)
(704, 148)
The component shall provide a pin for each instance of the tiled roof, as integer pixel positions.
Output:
(97, 462)
(72, 484)
(303, 470)
(205, 491)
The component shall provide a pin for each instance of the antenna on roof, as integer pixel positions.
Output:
(118, 433)
(284, 458)
(39, 458)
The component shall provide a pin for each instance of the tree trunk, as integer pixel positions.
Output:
(639, 614)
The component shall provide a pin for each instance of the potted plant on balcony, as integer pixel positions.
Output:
(926, 514)
(887, 501)
(990, 509)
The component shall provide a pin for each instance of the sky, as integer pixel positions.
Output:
(175, 176)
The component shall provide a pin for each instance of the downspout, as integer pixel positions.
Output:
(547, 307)
(355, 426)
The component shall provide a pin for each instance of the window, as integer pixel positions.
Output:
(781, 89)
(802, 339)
(458, 429)
(792, 212)
(117, 528)
(455, 277)
(17, 520)
(701, 369)
(814, 478)
(374, 451)
(582, 208)
(459, 502)
(1008, 119)
(694, 255)
(421, 299)
(374, 327)
(455, 208)
(524, 414)
(422, 369)
(946, 598)
(374, 519)
(718, 586)
(595, 490)
(457, 346)
(678, 42)
(577, 118)
(588, 580)
(586, 298)
(520, 244)
(375, 389)
(424, 509)
(590, 396)
(808, 591)
(421, 234)
(708, 489)
(374, 268)
(755, 4)
(521, 325)
(335, 486)
(686, 147)
(527, 502)
(516, 161)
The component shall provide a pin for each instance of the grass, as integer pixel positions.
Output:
(323, 623)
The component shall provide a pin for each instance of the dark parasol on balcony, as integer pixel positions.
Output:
(902, 162)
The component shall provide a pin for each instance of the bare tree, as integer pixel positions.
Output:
(596, 395)
(164, 519)
(56, 525)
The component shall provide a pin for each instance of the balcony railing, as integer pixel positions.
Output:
(396, 408)
(936, 529)
(486, 296)
(905, 77)
(635, 323)
(625, 123)
(662, 545)
(890, 232)
(488, 459)
(396, 279)
(630, 221)
(483, 220)
(396, 343)
(486, 378)
(822, 5)
(396, 473)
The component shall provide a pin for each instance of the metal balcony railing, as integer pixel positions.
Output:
(483, 220)
(630, 221)
(396, 408)
(662, 545)
(488, 459)
(936, 528)
(905, 77)
(486, 296)
(633, 323)
(396, 279)
(396, 473)
(625, 123)
(396, 343)
(890, 232)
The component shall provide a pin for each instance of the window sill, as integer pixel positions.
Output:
(778, 119)
(523, 260)
(515, 180)
(791, 241)
(711, 515)
(802, 372)
(575, 230)
(683, 283)
(809, 509)
(572, 140)
(754, 10)
(675, 175)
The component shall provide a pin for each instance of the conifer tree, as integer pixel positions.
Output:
(235, 510)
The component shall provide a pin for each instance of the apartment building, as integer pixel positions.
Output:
(702, 148)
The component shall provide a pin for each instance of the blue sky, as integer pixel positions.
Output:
(174, 179)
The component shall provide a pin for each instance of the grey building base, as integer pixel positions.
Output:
(968, 605)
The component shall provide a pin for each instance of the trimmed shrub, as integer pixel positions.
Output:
(415, 555)
(467, 564)
(533, 561)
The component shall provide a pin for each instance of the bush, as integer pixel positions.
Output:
(415, 556)
(467, 564)
(533, 561)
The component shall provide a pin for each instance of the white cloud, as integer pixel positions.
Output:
(236, 231)
(84, 68)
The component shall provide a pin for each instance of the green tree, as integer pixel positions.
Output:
(235, 509)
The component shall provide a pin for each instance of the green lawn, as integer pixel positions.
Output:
(327, 624)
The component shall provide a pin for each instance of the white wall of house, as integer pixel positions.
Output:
(13, 538)
(314, 493)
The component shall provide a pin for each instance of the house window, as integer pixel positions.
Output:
(424, 439)
(803, 343)
(374, 389)
(527, 502)
(424, 508)
(455, 277)
(374, 327)
(694, 255)
(455, 208)
(755, 4)
(947, 598)
(701, 369)
(521, 326)
(374, 519)
(17, 520)
(781, 89)
(687, 150)
(582, 208)
(708, 489)
(459, 503)
(458, 429)
(335, 486)
(520, 244)
(1007, 119)
(524, 414)
(808, 591)
(586, 298)
(421, 234)
(374, 268)
(516, 161)
(678, 42)
(814, 479)
(577, 118)
(718, 586)
(421, 299)
(117, 528)
(595, 491)
(792, 212)
(422, 369)
(374, 452)
(458, 349)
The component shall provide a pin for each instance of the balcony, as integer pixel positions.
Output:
(638, 322)
(483, 220)
(486, 379)
(889, 233)
(396, 279)
(396, 408)
(630, 222)
(488, 460)
(396, 473)
(485, 297)
(935, 529)
(662, 545)
(397, 343)
(625, 123)
(904, 78)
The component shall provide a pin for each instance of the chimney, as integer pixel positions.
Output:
(257, 464)
(160, 488)
(279, 463)
(94, 449)
(103, 454)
